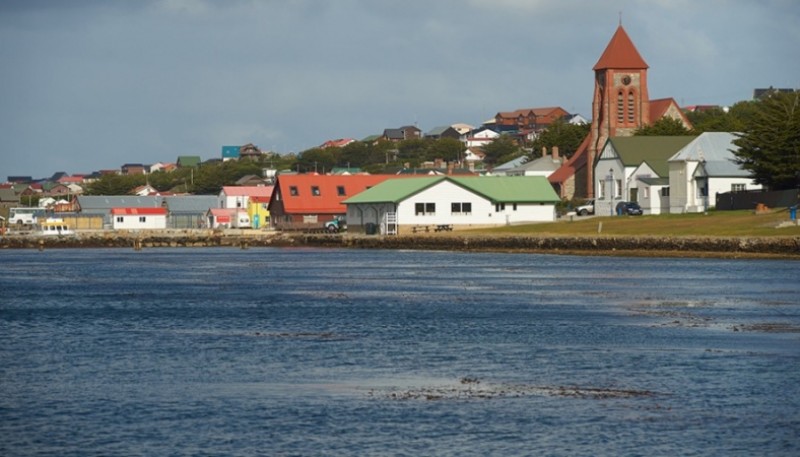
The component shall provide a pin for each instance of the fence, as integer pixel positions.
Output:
(749, 199)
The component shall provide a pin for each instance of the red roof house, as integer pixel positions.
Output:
(311, 199)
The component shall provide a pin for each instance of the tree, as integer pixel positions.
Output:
(114, 184)
(769, 146)
(317, 160)
(209, 178)
(666, 126)
(562, 134)
(414, 151)
(355, 154)
(449, 149)
(503, 147)
(733, 119)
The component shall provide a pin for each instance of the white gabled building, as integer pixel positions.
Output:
(239, 196)
(704, 168)
(635, 169)
(480, 137)
(455, 202)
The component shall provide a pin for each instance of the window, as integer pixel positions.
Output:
(646, 192)
(738, 187)
(340, 191)
(461, 208)
(514, 208)
(620, 108)
(315, 191)
(142, 219)
(424, 209)
(601, 184)
(499, 207)
(618, 188)
(293, 191)
(120, 219)
(665, 192)
(631, 105)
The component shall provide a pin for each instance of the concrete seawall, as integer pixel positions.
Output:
(729, 247)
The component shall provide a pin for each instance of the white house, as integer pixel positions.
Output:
(545, 165)
(480, 137)
(406, 204)
(239, 196)
(704, 168)
(138, 218)
(634, 169)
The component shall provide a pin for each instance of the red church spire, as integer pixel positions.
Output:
(620, 54)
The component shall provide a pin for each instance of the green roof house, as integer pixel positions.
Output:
(433, 203)
(635, 168)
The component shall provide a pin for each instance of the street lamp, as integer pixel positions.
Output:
(611, 191)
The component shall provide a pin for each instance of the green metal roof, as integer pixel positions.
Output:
(510, 189)
(502, 189)
(394, 190)
(655, 150)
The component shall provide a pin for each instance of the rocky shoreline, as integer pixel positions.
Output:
(720, 247)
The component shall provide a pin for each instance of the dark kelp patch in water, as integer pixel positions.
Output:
(474, 389)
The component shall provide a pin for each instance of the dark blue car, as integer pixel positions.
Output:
(629, 208)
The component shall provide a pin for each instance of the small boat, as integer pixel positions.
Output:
(53, 226)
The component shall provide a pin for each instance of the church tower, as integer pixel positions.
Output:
(621, 103)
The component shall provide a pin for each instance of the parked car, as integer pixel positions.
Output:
(586, 208)
(629, 208)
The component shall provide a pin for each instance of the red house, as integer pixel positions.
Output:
(310, 200)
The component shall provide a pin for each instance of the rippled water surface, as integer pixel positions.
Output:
(351, 352)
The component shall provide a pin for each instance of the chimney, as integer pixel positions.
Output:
(544, 151)
(555, 153)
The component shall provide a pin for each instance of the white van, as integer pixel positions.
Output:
(24, 216)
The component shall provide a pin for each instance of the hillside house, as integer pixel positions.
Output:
(533, 119)
(408, 132)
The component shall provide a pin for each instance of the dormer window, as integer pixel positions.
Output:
(293, 191)
(315, 191)
(340, 191)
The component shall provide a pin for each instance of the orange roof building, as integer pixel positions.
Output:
(312, 199)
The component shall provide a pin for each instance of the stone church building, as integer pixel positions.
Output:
(621, 104)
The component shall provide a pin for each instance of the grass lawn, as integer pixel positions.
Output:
(713, 224)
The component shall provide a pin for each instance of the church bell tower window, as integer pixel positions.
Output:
(631, 107)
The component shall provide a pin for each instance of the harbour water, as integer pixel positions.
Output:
(312, 352)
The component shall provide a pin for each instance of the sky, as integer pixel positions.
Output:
(87, 85)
